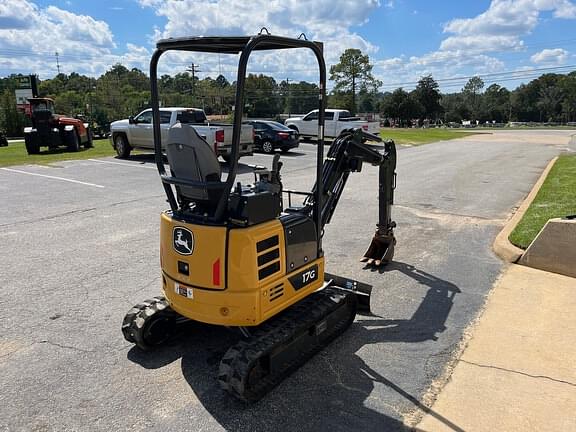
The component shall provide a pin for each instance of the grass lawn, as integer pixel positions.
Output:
(422, 136)
(15, 153)
(556, 198)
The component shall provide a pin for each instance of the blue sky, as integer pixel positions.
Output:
(503, 41)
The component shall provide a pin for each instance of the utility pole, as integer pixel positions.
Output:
(57, 63)
(289, 104)
(193, 68)
(353, 87)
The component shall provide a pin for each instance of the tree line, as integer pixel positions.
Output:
(121, 92)
(550, 98)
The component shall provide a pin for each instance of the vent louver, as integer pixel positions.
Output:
(268, 257)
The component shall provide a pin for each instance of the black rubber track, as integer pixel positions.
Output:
(239, 366)
(137, 321)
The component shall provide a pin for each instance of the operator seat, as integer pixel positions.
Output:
(192, 158)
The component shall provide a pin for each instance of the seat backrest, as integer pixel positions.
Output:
(192, 158)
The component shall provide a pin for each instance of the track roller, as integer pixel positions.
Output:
(149, 324)
(278, 347)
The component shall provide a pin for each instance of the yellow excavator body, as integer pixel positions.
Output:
(231, 276)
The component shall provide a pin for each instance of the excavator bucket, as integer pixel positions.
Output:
(380, 251)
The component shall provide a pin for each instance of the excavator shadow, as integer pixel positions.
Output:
(338, 389)
(430, 316)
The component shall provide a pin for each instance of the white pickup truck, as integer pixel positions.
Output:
(136, 132)
(335, 121)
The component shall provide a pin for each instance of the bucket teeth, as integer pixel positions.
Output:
(381, 250)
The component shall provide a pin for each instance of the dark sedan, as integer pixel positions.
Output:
(271, 135)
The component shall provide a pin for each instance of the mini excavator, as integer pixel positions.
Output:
(232, 255)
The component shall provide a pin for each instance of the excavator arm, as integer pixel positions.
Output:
(347, 154)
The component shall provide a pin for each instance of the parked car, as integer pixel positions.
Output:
(136, 132)
(271, 135)
(335, 121)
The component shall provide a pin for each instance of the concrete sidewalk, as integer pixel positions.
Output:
(518, 371)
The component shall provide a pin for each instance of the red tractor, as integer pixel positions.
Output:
(54, 130)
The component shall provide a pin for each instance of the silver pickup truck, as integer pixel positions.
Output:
(136, 132)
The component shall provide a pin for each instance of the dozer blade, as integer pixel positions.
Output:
(381, 250)
(360, 289)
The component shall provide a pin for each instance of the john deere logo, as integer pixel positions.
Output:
(183, 241)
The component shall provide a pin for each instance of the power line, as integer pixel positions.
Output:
(502, 75)
(447, 54)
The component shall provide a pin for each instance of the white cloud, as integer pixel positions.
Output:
(329, 21)
(77, 28)
(16, 14)
(471, 44)
(556, 56)
(228, 16)
(502, 26)
(405, 72)
(484, 43)
(565, 9)
(30, 35)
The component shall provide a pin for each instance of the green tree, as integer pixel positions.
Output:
(367, 101)
(261, 96)
(550, 102)
(339, 100)
(568, 86)
(12, 121)
(472, 91)
(411, 109)
(455, 108)
(428, 95)
(300, 97)
(496, 103)
(401, 106)
(353, 72)
(390, 106)
(222, 82)
(526, 98)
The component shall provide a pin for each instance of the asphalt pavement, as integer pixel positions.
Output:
(79, 244)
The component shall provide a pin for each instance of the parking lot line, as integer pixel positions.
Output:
(124, 164)
(53, 177)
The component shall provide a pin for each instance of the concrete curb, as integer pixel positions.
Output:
(554, 248)
(502, 246)
(572, 143)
